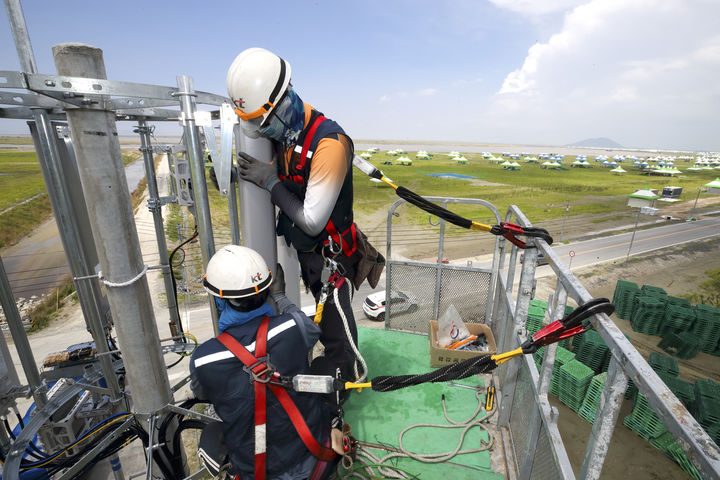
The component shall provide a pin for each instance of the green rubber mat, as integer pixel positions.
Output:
(379, 418)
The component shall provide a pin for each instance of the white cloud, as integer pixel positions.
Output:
(640, 72)
(405, 95)
(537, 7)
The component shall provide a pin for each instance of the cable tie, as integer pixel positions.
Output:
(126, 283)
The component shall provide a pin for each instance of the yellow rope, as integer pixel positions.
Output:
(319, 313)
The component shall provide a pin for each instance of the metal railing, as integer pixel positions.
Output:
(533, 445)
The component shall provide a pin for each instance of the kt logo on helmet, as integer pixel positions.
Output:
(239, 102)
(256, 278)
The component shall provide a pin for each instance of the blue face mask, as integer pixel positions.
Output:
(286, 121)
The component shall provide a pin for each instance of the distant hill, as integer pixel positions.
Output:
(600, 142)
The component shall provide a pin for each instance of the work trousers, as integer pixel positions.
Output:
(338, 352)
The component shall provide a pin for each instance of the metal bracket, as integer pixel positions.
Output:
(178, 347)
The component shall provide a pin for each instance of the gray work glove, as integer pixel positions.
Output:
(277, 287)
(262, 174)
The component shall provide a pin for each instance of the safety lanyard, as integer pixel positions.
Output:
(262, 374)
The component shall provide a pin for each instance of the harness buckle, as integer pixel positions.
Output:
(261, 376)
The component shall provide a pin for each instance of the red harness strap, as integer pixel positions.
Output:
(261, 371)
(308, 141)
(347, 247)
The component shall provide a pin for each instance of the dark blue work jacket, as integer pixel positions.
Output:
(218, 376)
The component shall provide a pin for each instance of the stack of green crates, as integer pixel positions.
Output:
(678, 318)
(663, 442)
(676, 453)
(535, 302)
(707, 327)
(647, 315)
(707, 407)
(657, 292)
(683, 345)
(685, 391)
(573, 382)
(623, 298)
(666, 443)
(535, 318)
(591, 350)
(663, 363)
(681, 302)
(591, 403)
(643, 420)
(562, 356)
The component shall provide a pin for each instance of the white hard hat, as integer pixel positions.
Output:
(256, 81)
(236, 272)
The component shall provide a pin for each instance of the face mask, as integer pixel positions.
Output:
(251, 128)
(286, 121)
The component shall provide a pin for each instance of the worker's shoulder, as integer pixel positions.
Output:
(207, 347)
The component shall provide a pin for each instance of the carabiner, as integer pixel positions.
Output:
(330, 244)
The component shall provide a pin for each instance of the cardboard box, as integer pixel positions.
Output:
(439, 357)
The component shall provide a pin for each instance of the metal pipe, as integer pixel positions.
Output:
(697, 197)
(257, 213)
(79, 250)
(632, 239)
(602, 431)
(21, 36)
(22, 345)
(112, 221)
(155, 207)
(233, 214)
(193, 150)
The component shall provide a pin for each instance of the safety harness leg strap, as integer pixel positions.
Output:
(259, 368)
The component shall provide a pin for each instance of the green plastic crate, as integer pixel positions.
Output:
(573, 381)
(591, 403)
(683, 345)
(678, 318)
(663, 363)
(707, 327)
(643, 420)
(623, 298)
(647, 315)
(591, 350)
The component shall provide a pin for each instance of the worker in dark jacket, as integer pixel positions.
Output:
(310, 180)
(241, 282)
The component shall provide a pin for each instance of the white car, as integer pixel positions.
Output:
(374, 304)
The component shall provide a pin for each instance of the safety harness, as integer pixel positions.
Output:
(345, 241)
(263, 375)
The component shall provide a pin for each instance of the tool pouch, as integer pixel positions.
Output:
(370, 264)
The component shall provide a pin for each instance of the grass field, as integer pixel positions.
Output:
(540, 193)
(21, 180)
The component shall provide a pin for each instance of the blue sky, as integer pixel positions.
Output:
(509, 71)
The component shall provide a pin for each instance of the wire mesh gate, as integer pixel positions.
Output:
(418, 292)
